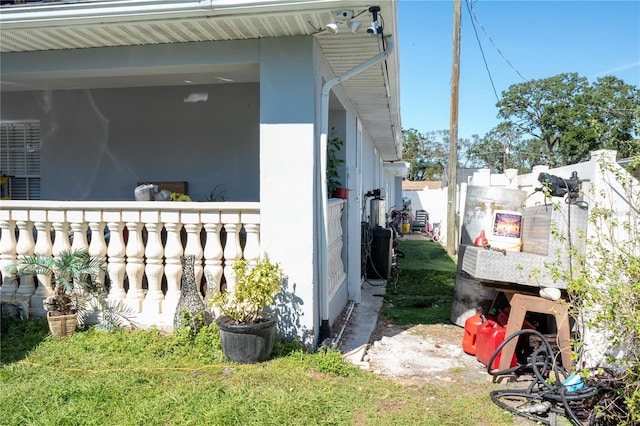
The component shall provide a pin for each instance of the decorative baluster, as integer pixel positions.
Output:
(135, 260)
(152, 303)
(79, 230)
(193, 226)
(115, 254)
(251, 222)
(331, 276)
(79, 226)
(341, 274)
(98, 245)
(60, 226)
(212, 252)
(232, 252)
(173, 267)
(24, 247)
(336, 267)
(7, 253)
(43, 247)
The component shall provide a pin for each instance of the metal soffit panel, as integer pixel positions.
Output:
(140, 33)
(368, 91)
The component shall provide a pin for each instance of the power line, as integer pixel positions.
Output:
(474, 17)
(484, 59)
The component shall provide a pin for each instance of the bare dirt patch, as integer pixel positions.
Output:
(431, 355)
(421, 354)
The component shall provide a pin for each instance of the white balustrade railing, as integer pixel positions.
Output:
(141, 242)
(336, 273)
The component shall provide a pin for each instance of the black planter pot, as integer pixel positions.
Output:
(247, 343)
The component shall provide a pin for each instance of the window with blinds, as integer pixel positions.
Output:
(20, 158)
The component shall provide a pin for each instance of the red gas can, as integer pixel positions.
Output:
(489, 336)
(470, 333)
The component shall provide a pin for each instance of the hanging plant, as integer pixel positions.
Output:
(333, 163)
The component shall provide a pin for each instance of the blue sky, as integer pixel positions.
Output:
(539, 38)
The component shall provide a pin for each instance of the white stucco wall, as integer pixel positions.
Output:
(106, 140)
(98, 144)
(434, 201)
(287, 134)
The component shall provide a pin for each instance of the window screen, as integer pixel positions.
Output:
(20, 158)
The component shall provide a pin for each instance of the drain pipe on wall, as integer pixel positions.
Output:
(321, 153)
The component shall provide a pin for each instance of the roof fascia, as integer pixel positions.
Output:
(118, 11)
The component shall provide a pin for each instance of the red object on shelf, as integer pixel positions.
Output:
(481, 240)
(489, 336)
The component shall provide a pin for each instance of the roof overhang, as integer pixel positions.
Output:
(65, 25)
(399, 169)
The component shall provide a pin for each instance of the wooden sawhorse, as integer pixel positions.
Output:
(520, 305)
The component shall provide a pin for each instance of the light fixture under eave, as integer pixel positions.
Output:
(333, 27)
(223, 79)
(196, 97)
(354, 25)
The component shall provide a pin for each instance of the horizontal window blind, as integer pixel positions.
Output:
(20, 158)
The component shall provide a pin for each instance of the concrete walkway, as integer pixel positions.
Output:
(364, 317)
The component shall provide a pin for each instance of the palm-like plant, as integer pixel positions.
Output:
(74, 281)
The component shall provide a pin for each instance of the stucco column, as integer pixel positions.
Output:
(288, 112)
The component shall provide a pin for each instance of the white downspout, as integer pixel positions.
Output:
(321, 211)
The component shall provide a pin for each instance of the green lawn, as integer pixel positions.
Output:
(421, 290)
(149, 378)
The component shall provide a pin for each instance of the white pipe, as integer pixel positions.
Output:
(321, 153)
(346, 321)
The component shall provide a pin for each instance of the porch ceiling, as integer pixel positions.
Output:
(93, 24)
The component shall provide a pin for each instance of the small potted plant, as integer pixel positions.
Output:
(75, 285)
(247, 331)
(334, 186)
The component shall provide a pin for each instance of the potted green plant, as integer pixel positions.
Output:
(334, 186)
(216, 194)
(247, 331)
(76, 288)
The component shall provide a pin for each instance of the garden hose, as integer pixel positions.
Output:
(542, 400)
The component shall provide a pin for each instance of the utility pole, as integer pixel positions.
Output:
(452, 205)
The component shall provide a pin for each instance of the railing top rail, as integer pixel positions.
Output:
(180, 206)
(335, 201)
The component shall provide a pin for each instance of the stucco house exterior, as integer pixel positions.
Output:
(231, 97)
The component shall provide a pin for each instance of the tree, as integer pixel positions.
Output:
(616, 120)
(426, 154)
(572, 117)
(502, 148)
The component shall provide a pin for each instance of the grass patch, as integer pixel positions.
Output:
(149, 378)
(425, 256)
(19, 337)
(421, 291)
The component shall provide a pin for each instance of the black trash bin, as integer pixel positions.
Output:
(379, 261)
